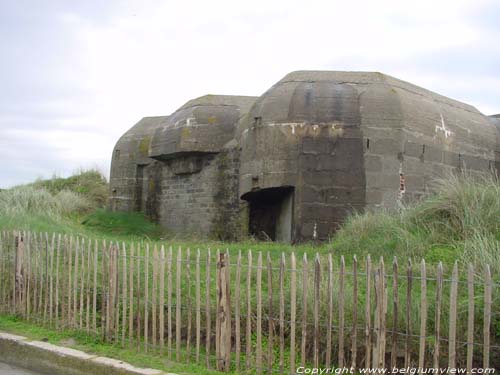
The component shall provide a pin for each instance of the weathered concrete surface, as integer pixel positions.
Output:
(202, 125)
(495, 119)
(349, 141)
(293, 163)
(130, 157)
(51, 359)
(182, 170)
(6, 369)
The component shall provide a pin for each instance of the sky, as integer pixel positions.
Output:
(75, 75)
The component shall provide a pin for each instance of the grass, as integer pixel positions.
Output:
(460, 221)
(121, 224)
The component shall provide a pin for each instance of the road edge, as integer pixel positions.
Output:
(51, 359)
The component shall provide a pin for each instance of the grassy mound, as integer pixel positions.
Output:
(459, 221)
(90, 184)
(71, 205)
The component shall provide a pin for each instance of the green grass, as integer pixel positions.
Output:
(93, 344)
(121, 224)
(460, 221)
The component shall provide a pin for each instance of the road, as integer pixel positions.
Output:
(6, 369)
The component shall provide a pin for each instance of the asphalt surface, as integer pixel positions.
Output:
(6, 369)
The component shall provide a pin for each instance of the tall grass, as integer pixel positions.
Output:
(460, 220)
(28, 200)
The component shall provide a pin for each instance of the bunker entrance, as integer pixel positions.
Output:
(271, 213)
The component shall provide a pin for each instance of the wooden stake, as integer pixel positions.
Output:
(437, 319)
(162, 299)
(305, 281)
(259, 315)
(423, 314)
(293, 309)
(237, 323)
(453, 318)
(178, 302)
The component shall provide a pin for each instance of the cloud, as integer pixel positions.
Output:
(76, 75)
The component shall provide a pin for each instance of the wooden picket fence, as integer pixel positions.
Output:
(264, 315)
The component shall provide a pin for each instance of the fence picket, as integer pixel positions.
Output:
(146, 298)
(293, 308)
(270, 319)
(395, 311)
(169, 300)
(258, 360)
(237, 323)
(131, 295)
(248, 341)
(453, 318)
(487, 316)
(94, 294)
(409, 280)
(162, 299)
(105, 293)
(304, 311)
(217, 310)
(188, 303)
(51, 280)
(124, 294)
(178, 301)
(154, 298)
(75, 284)
(56, 302)
(46, 283)
(82, 283)
(69, 288)
(423, 314)
(87, 289)
(470, 320)
(198, 306)
(354, 332)
(341, 311)
(437, 319)
(139, 310)
(223, 335)
(368, 313)
(282, 313)
(329, 291)
(317, 280)
(208, 318)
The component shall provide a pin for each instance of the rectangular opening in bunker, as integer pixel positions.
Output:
(271, 213)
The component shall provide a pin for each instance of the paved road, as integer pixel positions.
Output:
(6, 369)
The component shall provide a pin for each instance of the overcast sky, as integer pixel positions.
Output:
(75, 75)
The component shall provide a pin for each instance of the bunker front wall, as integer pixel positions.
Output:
(306, 136)
(195, 194)
(193, 186)
(352, 141)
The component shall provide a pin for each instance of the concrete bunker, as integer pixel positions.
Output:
(292, 164)
(271, 213)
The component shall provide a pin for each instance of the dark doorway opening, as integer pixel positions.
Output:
(271, 213)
